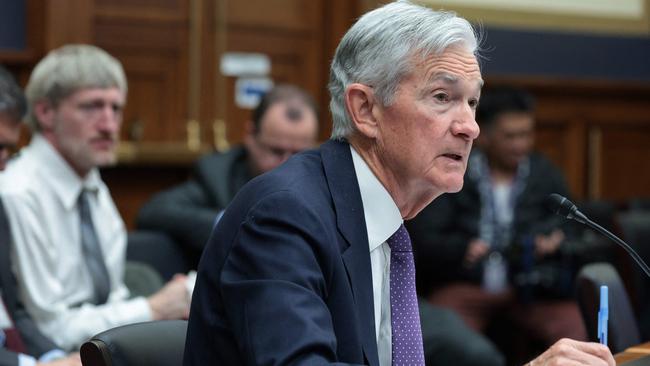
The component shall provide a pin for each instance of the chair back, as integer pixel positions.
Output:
(622, 325)
(155, 343)
(635, 229)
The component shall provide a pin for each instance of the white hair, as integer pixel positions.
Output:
(378, 51)
(70, 68)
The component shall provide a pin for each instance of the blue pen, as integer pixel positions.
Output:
(603, 315)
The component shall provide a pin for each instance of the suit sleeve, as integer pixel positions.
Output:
(183, 212)
(274, 285)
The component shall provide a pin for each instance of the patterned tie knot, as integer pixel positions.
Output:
(400, 240)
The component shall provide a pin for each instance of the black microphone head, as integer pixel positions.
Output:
(560, 205)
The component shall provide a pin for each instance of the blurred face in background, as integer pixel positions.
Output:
(286, 128)
(509, 140)
(84, 127)
(9, 134)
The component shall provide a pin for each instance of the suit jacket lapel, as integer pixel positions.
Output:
(344, 188)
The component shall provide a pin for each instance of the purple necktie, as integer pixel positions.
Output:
(404, 313)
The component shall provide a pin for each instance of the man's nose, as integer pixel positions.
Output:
(464, 123)
(110, 119)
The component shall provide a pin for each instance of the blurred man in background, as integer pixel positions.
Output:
(69, 240)
(284, 123)
(21, 343)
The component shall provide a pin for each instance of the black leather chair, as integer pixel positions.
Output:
(622, 325)
(156, 343)
(635, 229)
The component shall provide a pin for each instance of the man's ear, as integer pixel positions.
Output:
(45, 112)
(361, 105)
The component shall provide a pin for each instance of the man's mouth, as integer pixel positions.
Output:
(453, 156)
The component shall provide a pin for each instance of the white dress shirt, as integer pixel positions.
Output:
(40, 194)
(382, 220)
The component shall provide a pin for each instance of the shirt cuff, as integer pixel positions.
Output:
(25, 360)
(140, 311)
(52, 355)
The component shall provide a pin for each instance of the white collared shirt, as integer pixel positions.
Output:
(382, 220)
(40, 194)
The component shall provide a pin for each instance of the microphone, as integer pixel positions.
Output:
(562, 206)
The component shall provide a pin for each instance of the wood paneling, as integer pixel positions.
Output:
(597, 132)
(625, 160)
(152, 44)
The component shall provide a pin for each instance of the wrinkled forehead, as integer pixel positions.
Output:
(452, 65)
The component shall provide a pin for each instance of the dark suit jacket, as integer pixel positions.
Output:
(286, 276)
(36, 343)
(187, 212)
(442, 231)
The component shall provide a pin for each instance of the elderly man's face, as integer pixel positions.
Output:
(286, 128)
(85, 126)
(9, 134)
(427, 132)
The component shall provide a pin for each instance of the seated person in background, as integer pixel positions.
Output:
(21, 343)
(68, 238)
(465, 243)
(285, 122)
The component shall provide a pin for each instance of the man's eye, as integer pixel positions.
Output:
(89, 106)
(441, 97)
(278, 152)
(473, 103)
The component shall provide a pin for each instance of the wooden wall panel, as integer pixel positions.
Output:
(563, 144)
(625, 160)
(581, 124)
(289, 15)
(597, 132)
(154, 52)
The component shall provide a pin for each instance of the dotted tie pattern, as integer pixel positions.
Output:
(405, 317)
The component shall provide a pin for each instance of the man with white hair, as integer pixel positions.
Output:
(68, 238)
(21, 343)
(311, 263)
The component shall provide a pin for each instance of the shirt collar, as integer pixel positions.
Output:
(380, 211)
(64, 180)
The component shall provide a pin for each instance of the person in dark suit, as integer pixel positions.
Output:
(285, 122)
(311, 264)
(35, 345)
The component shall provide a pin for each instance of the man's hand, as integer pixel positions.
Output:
(476, 250)
(548, 244)
(172, 301)
(570, 352)
(72, 360)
